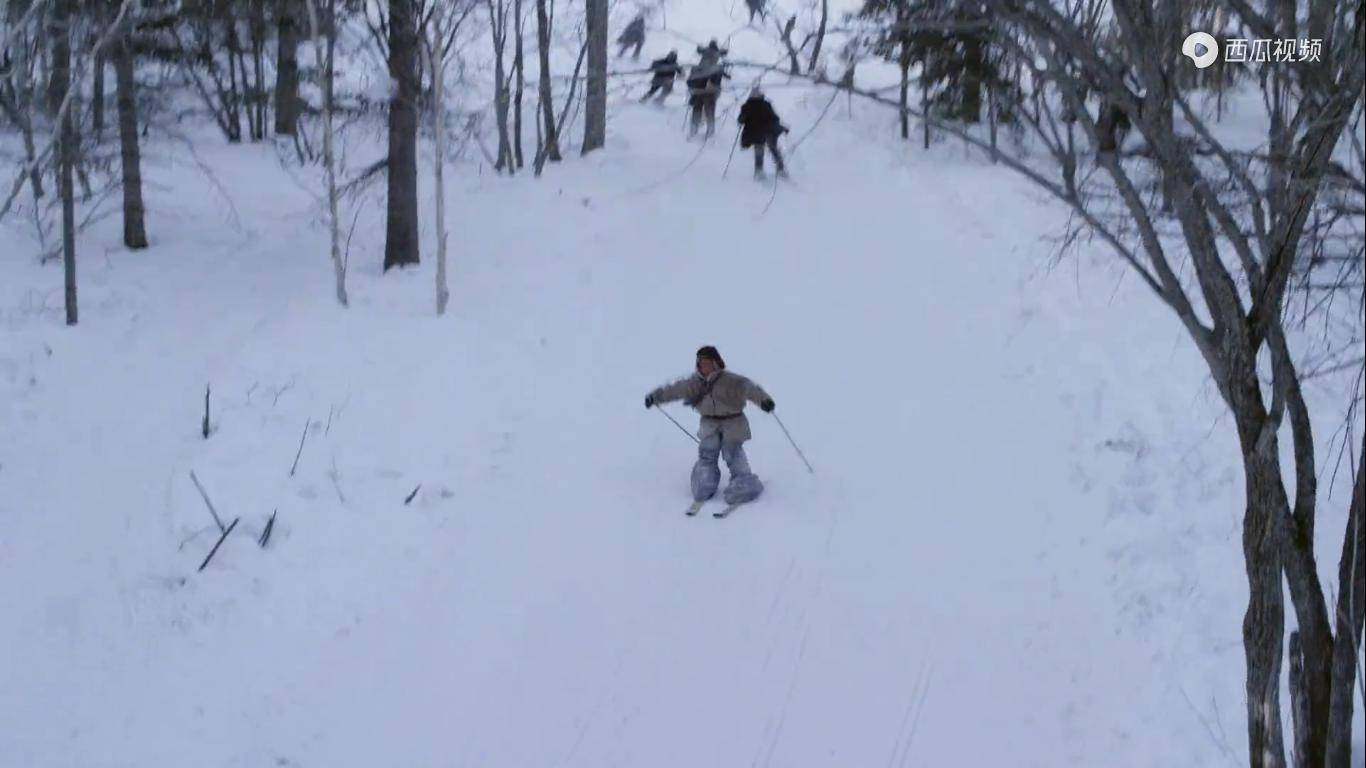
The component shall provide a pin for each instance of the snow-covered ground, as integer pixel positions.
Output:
(1020, 545)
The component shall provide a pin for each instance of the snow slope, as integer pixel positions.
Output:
(1020, 546)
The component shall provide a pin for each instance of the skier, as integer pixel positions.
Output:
(633, 35)
(704, 87)
(719, 396)
(711, 53)
(756, 8)
(761, 128)
(665, 70)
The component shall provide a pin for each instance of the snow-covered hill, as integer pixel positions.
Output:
(1020, 545)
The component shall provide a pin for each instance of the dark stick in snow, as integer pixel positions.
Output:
(270, 526)
(336, 481)
(206, 412)
(207, 503)
(300, 452)
(213, 551)
(412, 495)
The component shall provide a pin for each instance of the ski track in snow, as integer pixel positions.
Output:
(1027, 524)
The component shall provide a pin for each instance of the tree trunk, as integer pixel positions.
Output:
(820, 38)
(904, 93)
(400, 243)
(436, 63)
(234, 100)
(595, 91)
(1299, 705)
(518, 72)
(498, 29)
(327, 70)
(60, 31)
(925, 103)
(97, 96)
(258, 100)
(16, 108)
(1351, 611)
(551, 149)
(1264, 621)
(287, 68)
(974, 68)
(794, 67)
(134, 227)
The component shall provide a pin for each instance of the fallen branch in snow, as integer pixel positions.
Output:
(336, 480)
(214, 551)
(270, 526)
(207, 502)
(300, 452)
(279, 391)
(412, 495)
(206, 427)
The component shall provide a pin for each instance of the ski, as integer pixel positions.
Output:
(726, 512)
(694, 508)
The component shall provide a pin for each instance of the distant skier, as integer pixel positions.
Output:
(665, 70)
(719, 396)
(761, 128)
(756, 8)
(704, 87)
(711, 53)
(633, 35)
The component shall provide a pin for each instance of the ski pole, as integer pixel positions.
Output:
(809, 468)
(731, 156)
(676, 424)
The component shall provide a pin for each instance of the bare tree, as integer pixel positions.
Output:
(59, 30)
(550, 144)
(595, 91)
(498, 29)
(1192, 193)
(325, 39)
(258, 100)
(820, 37)
(1240, 219)
(125, 83)
(401, 242)
(286, 67)
(519, 77)
(785, 35)
(441, 26)
(17, 73)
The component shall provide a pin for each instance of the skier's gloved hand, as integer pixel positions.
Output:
(767, 405)
(649, 401)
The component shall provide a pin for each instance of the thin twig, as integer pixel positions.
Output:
(221, 539)
(270, 526)
(300, 452)
(204, 495)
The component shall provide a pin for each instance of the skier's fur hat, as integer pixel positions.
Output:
(709, 352)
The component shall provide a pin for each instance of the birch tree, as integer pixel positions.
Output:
(324, 39)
